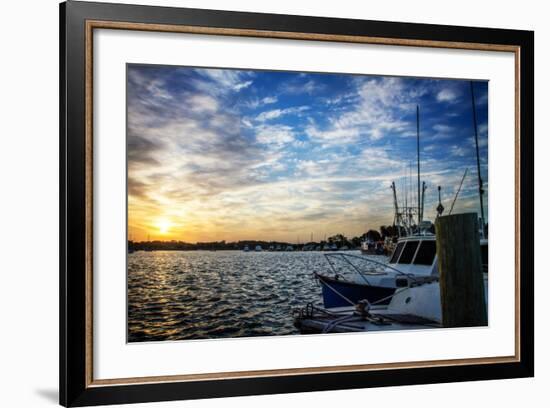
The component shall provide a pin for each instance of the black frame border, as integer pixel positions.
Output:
(72, 126)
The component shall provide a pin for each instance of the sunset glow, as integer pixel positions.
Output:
(218, 154)
(164, 225)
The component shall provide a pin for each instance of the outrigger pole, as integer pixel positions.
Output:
(479, 179)
(397, 216)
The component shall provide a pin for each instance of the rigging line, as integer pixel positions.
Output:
(334, 290)
(458, 191)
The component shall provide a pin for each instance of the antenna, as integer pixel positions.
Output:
(480, 181)
(440, 207)
(424, 187)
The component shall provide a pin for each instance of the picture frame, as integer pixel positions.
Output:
(79, 20)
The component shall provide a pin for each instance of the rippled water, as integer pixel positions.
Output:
(176, 295)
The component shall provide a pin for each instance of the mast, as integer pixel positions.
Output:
(479, 179)
(418, 159)
(407, 187)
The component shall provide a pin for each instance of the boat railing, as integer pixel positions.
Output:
(383, 267)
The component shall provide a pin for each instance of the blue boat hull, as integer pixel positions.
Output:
(355, 292)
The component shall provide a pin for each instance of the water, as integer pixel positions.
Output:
(178, 295)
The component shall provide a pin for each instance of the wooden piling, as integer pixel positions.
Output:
(460, 271)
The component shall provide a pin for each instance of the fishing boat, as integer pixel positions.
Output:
(412, 262)
(354, 278)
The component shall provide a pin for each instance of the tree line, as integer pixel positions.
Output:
(340, 240)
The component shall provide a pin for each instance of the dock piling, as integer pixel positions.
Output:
(460, 271)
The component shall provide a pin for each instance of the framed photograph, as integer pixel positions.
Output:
(256, 204)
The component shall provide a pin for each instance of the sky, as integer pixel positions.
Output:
(224, 154)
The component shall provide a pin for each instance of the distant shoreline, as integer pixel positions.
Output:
(232, 246)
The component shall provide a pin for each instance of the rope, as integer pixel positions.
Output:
(330, 325)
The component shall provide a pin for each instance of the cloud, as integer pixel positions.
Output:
(447, 95)
(257, 102)
(379, 110)
(333, 135)
(269, 99)
(203, 103)
(276, 113)
(274, 134)
(223, 80)
(380, 159)
(302, 87)
(442, 128)
(460, 151)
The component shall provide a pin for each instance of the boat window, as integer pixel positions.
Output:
(426, 253)
(397, 252)
(408, 252)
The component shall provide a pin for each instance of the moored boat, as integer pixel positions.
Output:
(413, 262)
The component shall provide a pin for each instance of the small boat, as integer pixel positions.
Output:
(289, 248)
(246, 248)
(414, 307)
(372, 248)
(258, 248)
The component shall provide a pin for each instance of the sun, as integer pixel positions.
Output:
(164, 225)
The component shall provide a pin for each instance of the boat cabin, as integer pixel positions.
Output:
(417, 255)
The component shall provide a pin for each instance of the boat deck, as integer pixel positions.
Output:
(345, 320)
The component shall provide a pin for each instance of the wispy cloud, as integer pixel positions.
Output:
(276, 113)
(224, 80)
(300, 86)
